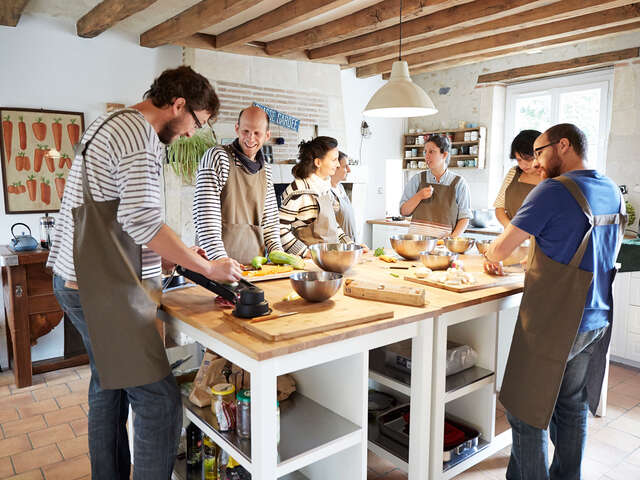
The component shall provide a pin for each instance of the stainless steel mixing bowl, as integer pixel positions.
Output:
(336, 257)
(410, 246)
(459, 244)
(519, 254)
(316, 286)
(437, 261)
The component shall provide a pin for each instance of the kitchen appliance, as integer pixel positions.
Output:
(248, 299)
(22, 243)
(46, 230)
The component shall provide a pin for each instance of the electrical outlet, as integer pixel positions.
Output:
(380, 191)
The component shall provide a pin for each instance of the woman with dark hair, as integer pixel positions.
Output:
(437, 199)
(306, 214)
(520, 180)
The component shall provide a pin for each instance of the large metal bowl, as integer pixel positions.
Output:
(519, 254)
(483, 217)
(335, 257)
(410, 246)
(437, 261)
(459, 244)
(316, 286)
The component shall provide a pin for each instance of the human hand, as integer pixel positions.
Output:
(365, 249)
(426, 192)
(199, 251)
(225, 270)
(494, 268)
(307, 254)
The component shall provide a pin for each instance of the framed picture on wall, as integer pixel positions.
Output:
(36, 150)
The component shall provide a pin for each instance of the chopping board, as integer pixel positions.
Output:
(483, 280)
(311, 318)
(386, 292)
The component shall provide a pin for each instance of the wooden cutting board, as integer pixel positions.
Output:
(484, 280)
(386, 292)
(311, 318)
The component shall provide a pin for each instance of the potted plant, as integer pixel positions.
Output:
(185, 153)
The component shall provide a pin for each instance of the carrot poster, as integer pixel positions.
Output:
(36, 149)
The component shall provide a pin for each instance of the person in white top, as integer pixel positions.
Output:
(341, 203)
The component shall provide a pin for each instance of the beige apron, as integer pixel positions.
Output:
(515, 194)
(550, 314)
(242, 205)
(345, 215)
(324, 228)
(119, 312)
(437, 215)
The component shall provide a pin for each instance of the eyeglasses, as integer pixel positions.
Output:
(536, 151)
(199, 125)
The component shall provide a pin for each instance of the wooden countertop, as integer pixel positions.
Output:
(195, 306)
(10, 258)
(494, 230)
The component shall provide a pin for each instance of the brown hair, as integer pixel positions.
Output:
(184, 82)
(309, 151)
(577, 138)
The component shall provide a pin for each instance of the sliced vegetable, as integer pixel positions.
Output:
(282, 258)
(379, 251)
(394, 275)
(387, 258)
(258, 261)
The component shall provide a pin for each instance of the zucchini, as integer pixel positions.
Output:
(258, 261)
(282, 258)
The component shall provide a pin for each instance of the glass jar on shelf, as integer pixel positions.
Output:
(223, 406)
(243, 414)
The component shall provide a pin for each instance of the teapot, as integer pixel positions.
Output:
(22, 243)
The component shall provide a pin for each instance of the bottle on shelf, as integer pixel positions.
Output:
(209, 459)
(194, 449)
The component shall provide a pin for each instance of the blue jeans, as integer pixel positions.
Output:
(157, 409)
(568, 427)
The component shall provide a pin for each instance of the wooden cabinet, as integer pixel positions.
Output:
(468, 148)
(30, 309)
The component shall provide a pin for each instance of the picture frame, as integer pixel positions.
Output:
(36, 151)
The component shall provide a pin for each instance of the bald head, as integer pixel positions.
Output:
(253, 111)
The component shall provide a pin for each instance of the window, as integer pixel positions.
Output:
(581, 99)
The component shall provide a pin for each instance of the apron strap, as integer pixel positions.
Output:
(577, 194)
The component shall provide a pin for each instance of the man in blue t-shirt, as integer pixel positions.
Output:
(557, 358)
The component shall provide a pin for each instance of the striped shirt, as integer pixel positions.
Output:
(212, 176)
(500, 199)
(301, 210)
(123, 161)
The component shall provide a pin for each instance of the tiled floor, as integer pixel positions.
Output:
(43, 432)
(613, 444)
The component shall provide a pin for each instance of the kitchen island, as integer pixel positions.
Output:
(324, 426)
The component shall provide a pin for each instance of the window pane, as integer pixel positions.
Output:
(533, 113)
(582, 108)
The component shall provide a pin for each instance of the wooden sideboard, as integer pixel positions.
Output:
(30, 306)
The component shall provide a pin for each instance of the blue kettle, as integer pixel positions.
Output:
(23, 243)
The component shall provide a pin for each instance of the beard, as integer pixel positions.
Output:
(552, 170)
(169, 131)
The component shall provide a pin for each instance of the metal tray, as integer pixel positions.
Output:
(452, 452)
(392, 424)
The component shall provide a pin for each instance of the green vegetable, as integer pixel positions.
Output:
(631, 212)
(258, 261)
(394, 275)
(282, 258)
(379, 251)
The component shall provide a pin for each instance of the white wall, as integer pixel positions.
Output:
(46, 65)
(385, 142)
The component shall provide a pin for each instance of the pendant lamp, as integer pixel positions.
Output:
(400, 97)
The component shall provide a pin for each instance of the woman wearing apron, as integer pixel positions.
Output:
(520, 179)
(341, 203)
(437, 199)
(306, 213)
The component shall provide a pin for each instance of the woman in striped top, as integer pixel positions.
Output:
(520, 180)
(306, 213)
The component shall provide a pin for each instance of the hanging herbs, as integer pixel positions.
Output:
(185, 153)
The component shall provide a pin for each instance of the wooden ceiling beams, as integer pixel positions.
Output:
(10, 11)
(108, 13)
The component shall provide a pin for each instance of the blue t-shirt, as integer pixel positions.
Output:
(552, 215)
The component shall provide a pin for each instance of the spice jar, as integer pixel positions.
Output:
(224, 406)
(243, 414)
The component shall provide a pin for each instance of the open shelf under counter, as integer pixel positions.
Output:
(387, 448)
(180, 473)
(457, 385)
(306, 428)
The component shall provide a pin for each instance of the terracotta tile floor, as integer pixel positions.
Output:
(613, 443)
(43, 432)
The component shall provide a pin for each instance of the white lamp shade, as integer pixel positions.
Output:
(400, 97)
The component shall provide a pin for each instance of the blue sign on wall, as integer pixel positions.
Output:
(279, 118)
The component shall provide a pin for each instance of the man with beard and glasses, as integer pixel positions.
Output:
(106, 258)
(556, 365)
(234, 207)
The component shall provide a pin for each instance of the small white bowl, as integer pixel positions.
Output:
(461, 163)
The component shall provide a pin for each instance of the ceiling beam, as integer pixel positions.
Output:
(531, 18)
(10, 11)
(548, 31)
(282, 17)
(442, 21)
(192, 20)
(555, 68)
(376, 16)
(598, 34)
(106, 14)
